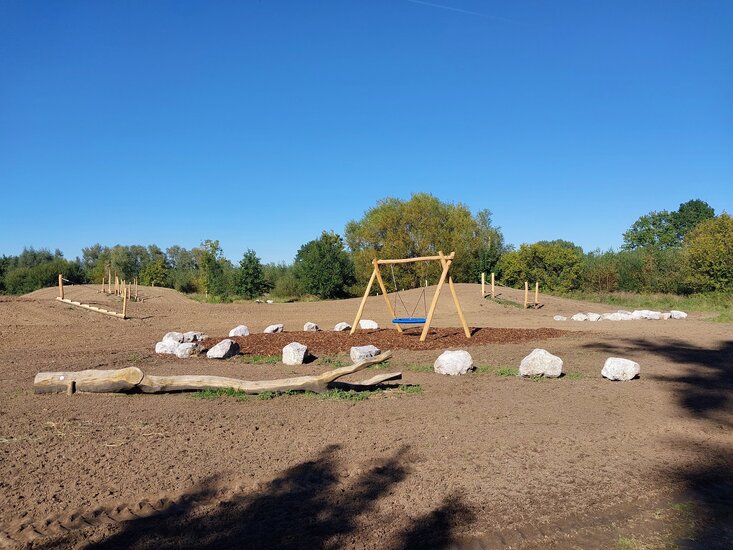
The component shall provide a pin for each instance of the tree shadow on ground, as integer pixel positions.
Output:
(309, 506)
(704, 389)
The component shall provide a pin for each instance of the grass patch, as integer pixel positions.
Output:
(506, 371)
(420, 368)
(506, 302)
(331, 361)
(573, 376)
(411, 389)
(343, 395)
(380, 366)
(713, 302)
(220, 392)
(260, 359)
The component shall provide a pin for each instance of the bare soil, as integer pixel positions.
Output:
(475, 461)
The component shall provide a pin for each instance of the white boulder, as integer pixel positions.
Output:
(342, 326)
(579, 317)
(310, 327)
(166, 347)
(294, 353)
(453, 363)
(666, 315)
(617, 368)
(176, 337)
(270, 302)
(359, 353)
(222, 350)
(560, 318)
(193, 336)
(367, 324)
(187, 349)
(593, 316)
(541, 362)
(241, 330)
(273, 329)
(676, 314)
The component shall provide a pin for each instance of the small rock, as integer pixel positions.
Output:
(193, 336)
(579, 317)
(222, 350)
(676, 314)
(617, 368)
(340, 327)
(618, 316)
(241, 330)
(359, 353)
(310, 327)
(187, 349)
(166, 346)
(273, 328)
(654, 315)
(270, 302)
(453, 363)
(541, 362)
(560, 318)
(176, 337)
(294, 353)
(368, 324)
(594, 317)
(666, 315)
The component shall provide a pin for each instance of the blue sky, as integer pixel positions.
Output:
(261, 123)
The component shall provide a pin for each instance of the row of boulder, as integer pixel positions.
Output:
(623, 315)
(243, 330)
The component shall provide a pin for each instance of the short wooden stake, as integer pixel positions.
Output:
(492, 285)
(124, 304)
(483, 284)
(61, 286)
(136, 289)
(109, 280)
(526, 294)
(102, 284)
(537, 293)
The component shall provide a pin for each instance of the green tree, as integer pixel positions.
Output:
(251, 279)
(322, 267)
(154, 273)
(556, 265)
(422, 226)
(655, 229)
(707, 257)
(210, 259)
(689, 215)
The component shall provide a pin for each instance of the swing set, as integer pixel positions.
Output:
(445, 262)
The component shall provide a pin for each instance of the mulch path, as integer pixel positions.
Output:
(330, 342)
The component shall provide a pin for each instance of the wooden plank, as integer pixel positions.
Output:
(384, 293)
(412, 260)
(446, 261)
(90, 308)
(363, 301)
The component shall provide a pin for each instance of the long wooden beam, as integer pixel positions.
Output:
(363, 301)
(413, 260)
(446, 261)
(90, 308)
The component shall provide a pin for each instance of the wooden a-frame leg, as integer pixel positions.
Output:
(384, 293)
(363, 301)
(434, 303)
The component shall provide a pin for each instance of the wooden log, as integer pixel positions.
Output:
(367, 384)
(492, 286)
(536, 293)
(526, 294)
(124, 303)
(61, 286)
(161, 384)
(363, 301)
(446, 262)
(483, 284)
(92, 381)
(90, 308)
(419, 259)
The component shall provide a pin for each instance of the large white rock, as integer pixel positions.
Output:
(187, 349)
(241, 330)
(342, 326)
(176, 337)
(676, 314)
(166, 346)
(310, 327)
(593, 316)
(222, 350)
(359, 353)
(453, 363)
(294, 353)
(193, 336)
(617, 368)
(579, 317)
(638, 314)
(541, 362)
(560, 318)
(654, 315)
(666, 315)
(273, 329)
(367, 324)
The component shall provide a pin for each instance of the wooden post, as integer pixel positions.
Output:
(124, 304)
(434, 303)
(136, 289)
(109, 280)
(363, 301)
(102, 284)
(492, 285)
(536, 293)
(483, 284)
(466, 331)
(526, 294)
(61, 286)
(117, 284)
(384, 292)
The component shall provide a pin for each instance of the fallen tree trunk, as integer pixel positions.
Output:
(133, 378)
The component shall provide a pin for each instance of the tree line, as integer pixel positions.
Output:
(685, 251)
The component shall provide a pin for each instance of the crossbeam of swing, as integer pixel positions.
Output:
(419, 259)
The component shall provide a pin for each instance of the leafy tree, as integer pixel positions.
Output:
(600, 272)
(708, 256)
(322, 267)
(689, 215)
(655, 229)
(422, 226)
(251, 279)
(210, 257)
(154, 273)
(556, 265)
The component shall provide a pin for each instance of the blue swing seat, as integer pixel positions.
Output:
(409, 321)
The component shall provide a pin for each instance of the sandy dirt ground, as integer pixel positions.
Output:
(474, 461)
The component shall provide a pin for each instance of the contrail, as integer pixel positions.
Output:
(459, 10)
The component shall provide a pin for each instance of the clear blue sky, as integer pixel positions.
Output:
(261, 123)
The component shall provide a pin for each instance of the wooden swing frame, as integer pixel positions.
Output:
(444, 260)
